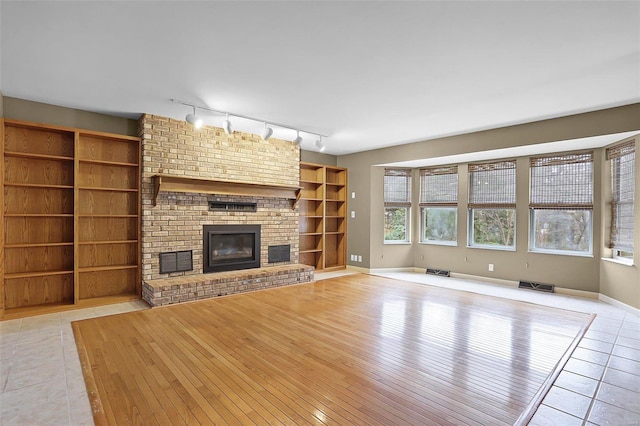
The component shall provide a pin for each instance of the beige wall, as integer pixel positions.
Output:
(318, 158)
(20, 109)
(580, 273)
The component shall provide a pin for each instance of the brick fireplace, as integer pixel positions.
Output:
(175, 223)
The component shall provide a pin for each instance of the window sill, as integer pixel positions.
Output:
(562, 253)
(618, 261)
(398, 243)
(493, 248)
(440, 243)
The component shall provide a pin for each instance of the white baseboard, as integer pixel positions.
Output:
(509, 283)
(577, 293)
(384, 270)
(357, 269)
(619, 304)
(490, 280)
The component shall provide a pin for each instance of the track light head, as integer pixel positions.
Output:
(226, 125)
(298, 139)
(319, 145)
(194, 119)
(266, 133)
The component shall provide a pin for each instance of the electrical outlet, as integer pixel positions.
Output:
(353, 257)
(359, 258)
(353, 214)
(491, 267)
(353, 195)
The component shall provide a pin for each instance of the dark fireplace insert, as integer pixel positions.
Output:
(230, 247)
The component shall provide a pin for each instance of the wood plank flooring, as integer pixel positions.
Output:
(351, 350)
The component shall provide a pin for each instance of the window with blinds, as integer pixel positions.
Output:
(397, 204)
(562, 181)
(492, 204)
(439, 205)
(561, 203)
(623, 158)
(397, 187)
(492, 185)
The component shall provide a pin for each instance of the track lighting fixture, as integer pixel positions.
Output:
(226, 125)
(298, 139)
(266, 133)
(194, 119)
(197, 122)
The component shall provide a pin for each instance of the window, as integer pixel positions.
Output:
(561, 203)
(439, 205)
(623, 158)
(397, 205)
(492, 205)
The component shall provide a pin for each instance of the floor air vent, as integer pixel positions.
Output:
(535, 286)
(438, 272)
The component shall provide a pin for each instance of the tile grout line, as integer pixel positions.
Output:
(604, 372)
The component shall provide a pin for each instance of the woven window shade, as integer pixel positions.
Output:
(492, 185)
(623, 158)
(562, 182)
(439, 186)
(397, 188)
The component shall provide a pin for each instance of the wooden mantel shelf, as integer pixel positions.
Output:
(173, 183)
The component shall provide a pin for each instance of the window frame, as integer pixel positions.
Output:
(446, 197)
(624, 151)
(393, 201)
(532, 236)
(423, 229)
(560, 159)
(497, 201)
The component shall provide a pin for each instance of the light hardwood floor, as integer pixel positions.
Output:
(357, 349)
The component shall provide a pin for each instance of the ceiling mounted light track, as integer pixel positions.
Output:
(266, 133)
(197, 122)
(194, 119)
(226, 125)
(298, 139)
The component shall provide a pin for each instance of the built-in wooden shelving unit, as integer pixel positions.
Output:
(173, 183)
(323, 216)
(71, 231)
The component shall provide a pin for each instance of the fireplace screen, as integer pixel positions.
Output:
(231, 247)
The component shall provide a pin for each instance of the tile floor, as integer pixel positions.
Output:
(41, 380)
(600, 384)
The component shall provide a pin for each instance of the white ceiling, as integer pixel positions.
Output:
(366, 74)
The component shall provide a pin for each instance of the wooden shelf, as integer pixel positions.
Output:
(27, 245)
(110, 163)
(66, 192)
(36, 274)
(38, 215)
(102, 188)
(322, 216)
(171, 183)
(107, 268)
(108, 215)
(36, 156)
(38, 185)
(108, 242)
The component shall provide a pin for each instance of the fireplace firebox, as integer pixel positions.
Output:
(230, 247)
